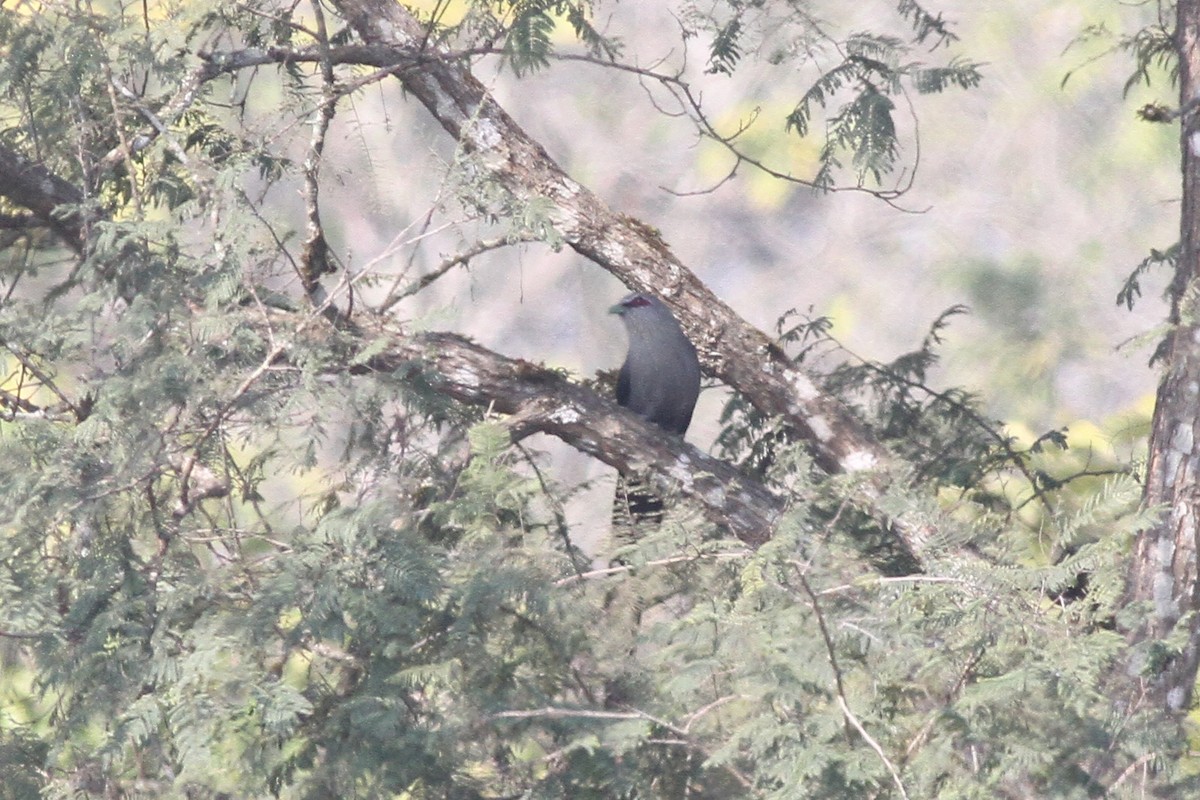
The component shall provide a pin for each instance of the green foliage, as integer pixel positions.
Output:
(942, 434)
(236, 560)
(926, 24)
(864, 126)
(1131, 290)
(869, 72)
(1151, 48)
(526, 28)
(857, 76)
(527, 46)
(724, 53)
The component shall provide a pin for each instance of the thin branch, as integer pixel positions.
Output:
(6, 634)
(682, 91)
(1011, 455)
(874, 745)
(315, 259)
(661, 562)
(463, 258)
(964, 675)
(886, 579)
(203, 183)
(278, 348)
(43, 378)
(551, 712)
(560, 518)
(135, 189)
(840, 686)
(704, 710)
(711, 189)
(1141, 762)
(570, 713)
(16, 403)
(216, 64)
(393, 60)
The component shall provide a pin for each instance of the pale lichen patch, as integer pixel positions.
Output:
(613, 250)
(1182, 438)
(681, 472)
(715, 497)
(485, 134)
(860, 460)
(802, 386)
(1164, 580)
(566, 415)
(463, 376)
(820, 427)
(565, 219)
(569, 189)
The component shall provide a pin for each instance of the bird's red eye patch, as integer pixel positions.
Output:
(637, 302)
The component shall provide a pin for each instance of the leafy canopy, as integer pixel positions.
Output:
(235, 562)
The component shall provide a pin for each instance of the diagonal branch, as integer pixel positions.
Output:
(542, 400)
(316, 260)
(730, 348)
(32, 186)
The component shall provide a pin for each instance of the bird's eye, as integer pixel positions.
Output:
(637, 302)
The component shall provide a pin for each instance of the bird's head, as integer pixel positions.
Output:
(634, 301)
(645, 316)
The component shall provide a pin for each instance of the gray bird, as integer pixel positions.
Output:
(659, 381)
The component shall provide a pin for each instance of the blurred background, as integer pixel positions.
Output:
(1032, 200)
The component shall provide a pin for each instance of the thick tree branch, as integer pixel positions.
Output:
(733, 350)
(542, 400)
(1164, 573)
(730, 348)
(36, 188)
(316, 259)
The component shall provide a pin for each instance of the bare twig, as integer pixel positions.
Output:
(315, 259)
(683, 93)
(135, 189)
(874, 745)
(274, 354)
(42, 377)
(570, 713)
(705, 710)
(886, 579)
(633, 714)
(6, 634)
(661, 562)
(1141, 762)
(203, 183)
(463, 258)
(556, 508)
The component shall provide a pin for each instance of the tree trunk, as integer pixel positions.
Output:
(1163, 571)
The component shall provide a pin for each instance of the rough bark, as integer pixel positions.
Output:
(538, 399)
(1163, 570)
(32, 186)
(730, 348)
(542, 400)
